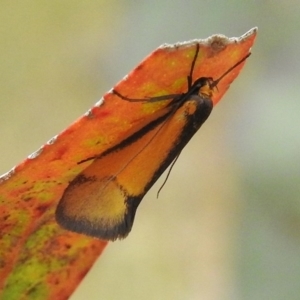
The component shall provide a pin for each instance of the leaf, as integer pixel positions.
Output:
(39, 259)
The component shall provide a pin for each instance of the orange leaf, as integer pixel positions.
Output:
(37, 257)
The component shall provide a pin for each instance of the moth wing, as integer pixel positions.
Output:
(102, 200)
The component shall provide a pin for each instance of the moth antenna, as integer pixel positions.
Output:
(215, 82)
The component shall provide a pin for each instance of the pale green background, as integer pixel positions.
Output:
(227, 223)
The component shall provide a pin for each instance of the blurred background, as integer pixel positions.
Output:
(227, 223)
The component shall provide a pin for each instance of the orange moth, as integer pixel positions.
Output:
(101, 201)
